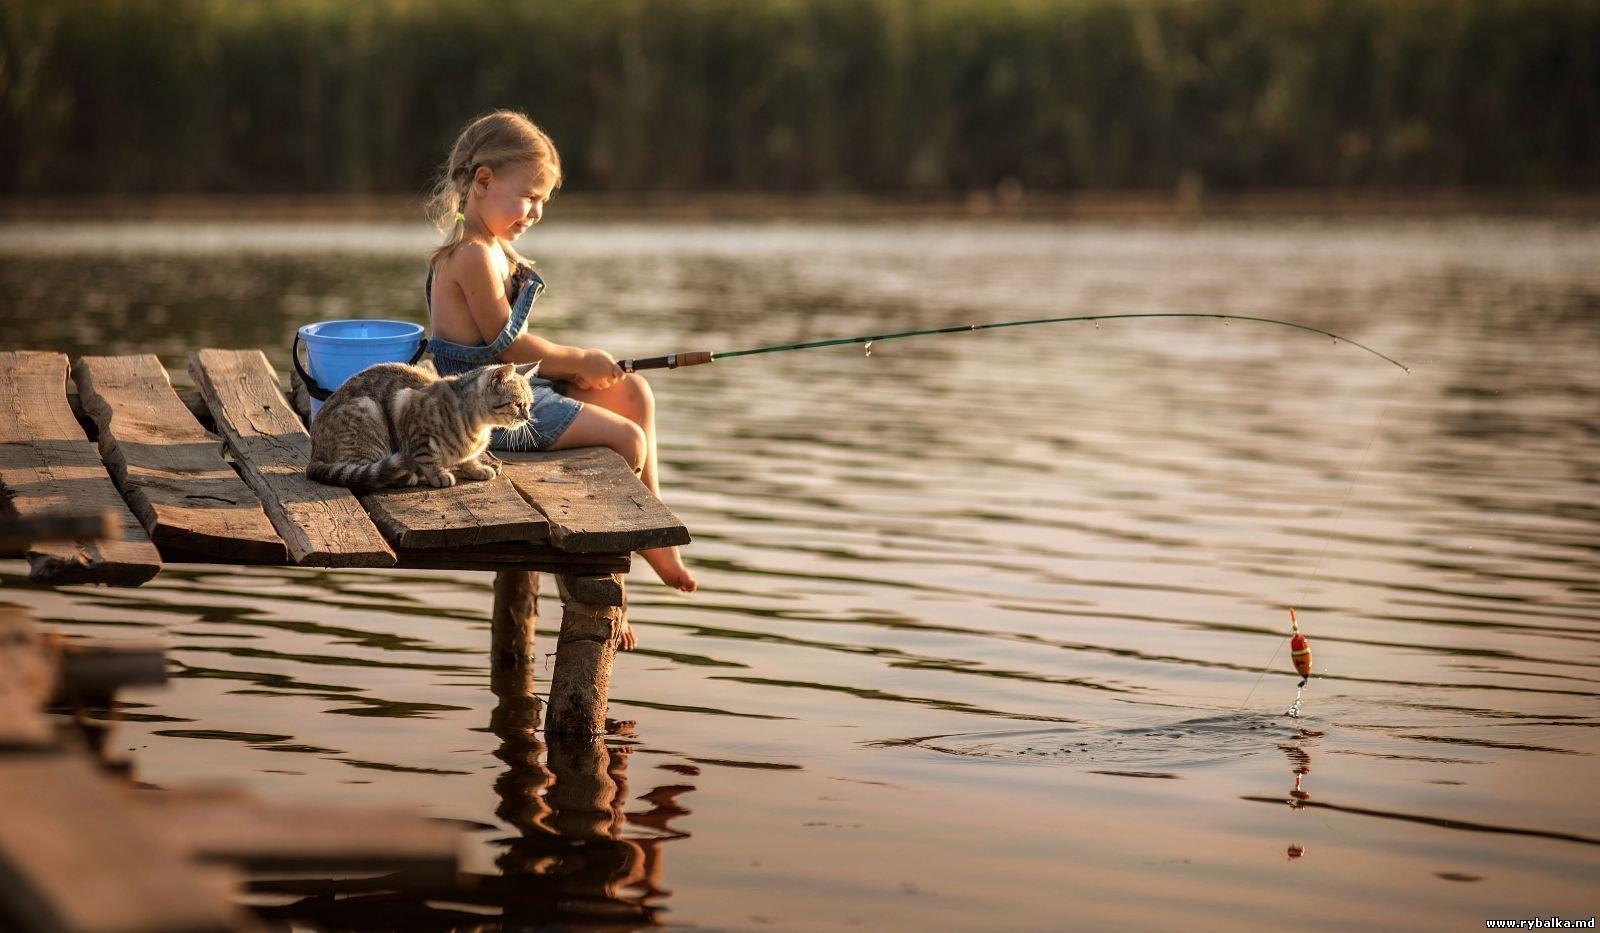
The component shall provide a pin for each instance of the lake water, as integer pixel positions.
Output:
(993, 628)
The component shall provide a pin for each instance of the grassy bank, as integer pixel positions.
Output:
(838, 96)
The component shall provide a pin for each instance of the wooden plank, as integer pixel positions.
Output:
(27, 677)
(73, 858)
(49, 467)
(176, 555)
(17, 534)
(170, 471)
(188, 395)
(231, 827)
(498, 557)
(324, 526)
(489, 557)
(95, 668)
(593, 501)
(466, 515)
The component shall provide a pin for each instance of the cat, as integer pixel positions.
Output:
(398, 425)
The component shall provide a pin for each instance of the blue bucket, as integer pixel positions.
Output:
(337, 350)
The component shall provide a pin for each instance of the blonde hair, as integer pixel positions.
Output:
(495, 140)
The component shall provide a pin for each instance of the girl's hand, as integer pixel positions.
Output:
(596, 370)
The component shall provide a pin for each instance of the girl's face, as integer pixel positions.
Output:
(511, 198)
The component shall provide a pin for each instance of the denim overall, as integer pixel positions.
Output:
(553, 411)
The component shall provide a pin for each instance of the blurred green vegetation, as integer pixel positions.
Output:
(180, 96)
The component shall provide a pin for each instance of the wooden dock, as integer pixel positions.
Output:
(85, 850)
(218, 477)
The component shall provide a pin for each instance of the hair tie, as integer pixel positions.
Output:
(460, 217)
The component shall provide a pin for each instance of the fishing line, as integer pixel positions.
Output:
(1327, 538)
(697, 357)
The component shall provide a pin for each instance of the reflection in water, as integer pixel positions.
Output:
(573, 861)
(1058, 553)
(578, 857)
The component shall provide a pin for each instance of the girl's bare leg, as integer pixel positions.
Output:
(623, 417)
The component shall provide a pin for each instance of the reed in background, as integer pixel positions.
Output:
(873, 96)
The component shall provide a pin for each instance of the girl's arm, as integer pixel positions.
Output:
(485, 293)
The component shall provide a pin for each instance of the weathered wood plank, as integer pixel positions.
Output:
(324, 526)
(27, 676)
(465, 515)
(488, 558)
(49, 467)
(177, 555)
(188, 395)
(593, 501)
(73, 858)
(498, 557)
(169, 470)
(95, 668)
(232, 827)
(17, 534)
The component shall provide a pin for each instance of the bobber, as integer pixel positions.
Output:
(1299, 651)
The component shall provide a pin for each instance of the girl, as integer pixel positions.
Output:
(501, 172)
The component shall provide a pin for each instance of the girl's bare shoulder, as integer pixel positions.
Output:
(475, 268)
(469, 261)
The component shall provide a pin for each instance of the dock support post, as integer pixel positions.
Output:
(511, 658)
(593, 620)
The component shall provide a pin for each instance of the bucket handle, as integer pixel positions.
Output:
(318, 392)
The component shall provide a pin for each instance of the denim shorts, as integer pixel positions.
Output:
(553, 413)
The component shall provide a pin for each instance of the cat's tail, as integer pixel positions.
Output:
(378, 474)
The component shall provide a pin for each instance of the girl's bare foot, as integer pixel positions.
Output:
(669, 566)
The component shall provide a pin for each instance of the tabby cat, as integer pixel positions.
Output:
(399, 425)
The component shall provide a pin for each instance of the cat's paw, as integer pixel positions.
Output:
(443, 479)
(477, 470)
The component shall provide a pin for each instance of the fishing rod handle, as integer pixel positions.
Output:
(670, 361)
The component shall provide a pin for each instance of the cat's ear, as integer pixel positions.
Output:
(503, 373)
(529, 370)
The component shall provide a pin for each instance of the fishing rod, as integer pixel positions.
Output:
(696, 357)
(1300, 651)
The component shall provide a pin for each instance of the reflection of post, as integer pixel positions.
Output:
(593, 623)
(586, 802)
(522, 786)
(571, 862)
(511, 660)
